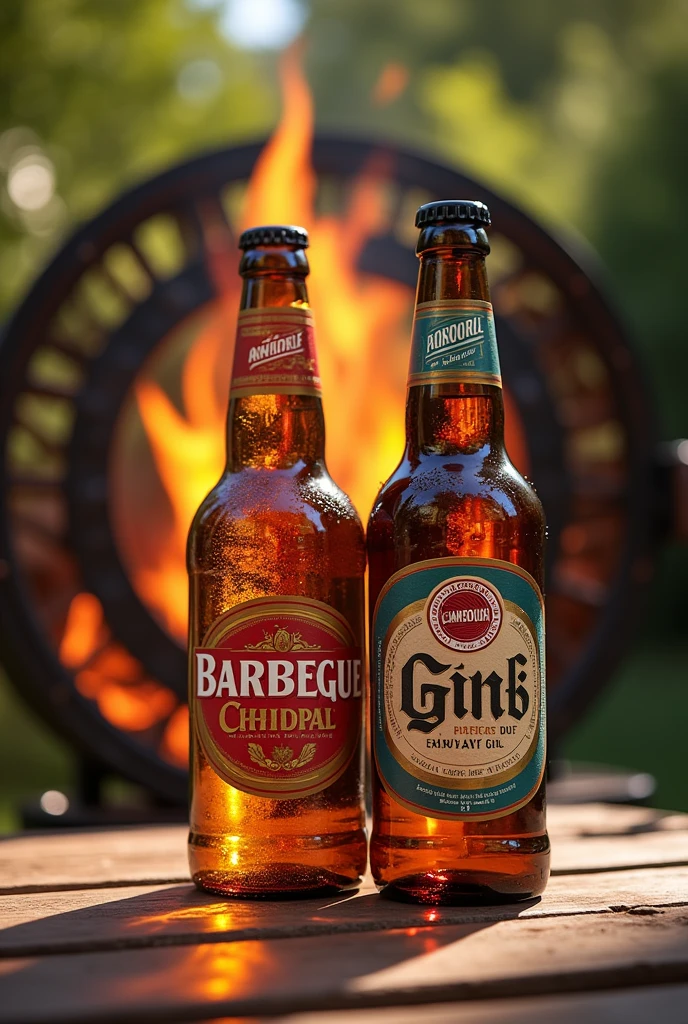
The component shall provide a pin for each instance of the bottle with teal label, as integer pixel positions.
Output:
(456, 548)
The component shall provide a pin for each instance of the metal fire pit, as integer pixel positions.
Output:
(76, 345)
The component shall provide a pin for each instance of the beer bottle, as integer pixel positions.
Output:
(455, 549)
(276, 561)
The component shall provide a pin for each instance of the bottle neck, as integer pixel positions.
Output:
(275, 418)
(454, 404)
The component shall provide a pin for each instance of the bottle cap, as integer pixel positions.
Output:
(453, 211)
(274, 234)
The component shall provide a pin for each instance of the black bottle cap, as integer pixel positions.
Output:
(274, 234)
(453, 211)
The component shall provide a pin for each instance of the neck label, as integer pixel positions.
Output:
(275, 353)
(454, 341)
(458, 681)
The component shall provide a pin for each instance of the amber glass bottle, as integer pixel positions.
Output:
(455, 547)
(276, 562)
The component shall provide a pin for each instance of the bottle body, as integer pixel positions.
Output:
(276, 564)
(455, 549)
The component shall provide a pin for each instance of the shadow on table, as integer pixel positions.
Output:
(173, 953)
(179, 914)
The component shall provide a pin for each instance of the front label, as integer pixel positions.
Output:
(454, 341)
(458, 666)
(277, 686)
(275, 353)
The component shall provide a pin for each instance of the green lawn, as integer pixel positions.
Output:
(640, 722)
(32, 757)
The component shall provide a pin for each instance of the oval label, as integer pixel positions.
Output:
(459, 687)
(277, 686)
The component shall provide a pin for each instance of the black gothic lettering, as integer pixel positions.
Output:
(519, 701)
(424, 721)
(493, 682)
(459, 681)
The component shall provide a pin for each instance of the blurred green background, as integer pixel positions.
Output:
(575, 110)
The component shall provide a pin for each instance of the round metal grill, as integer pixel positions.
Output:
(129, 296)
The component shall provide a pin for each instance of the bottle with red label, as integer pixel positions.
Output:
(456, 552)
(276, 564)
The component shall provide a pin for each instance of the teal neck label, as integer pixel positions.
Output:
(459, 688)
(454, 341)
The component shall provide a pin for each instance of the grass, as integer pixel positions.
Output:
(32, 757)
(640, 720)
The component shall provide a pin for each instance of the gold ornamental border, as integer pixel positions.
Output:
(268, 607)
(454, 560)
(246, 391)
(453, 377)
(487, 782)
(290, 609)
(276, 313)
(474, 579)
(425, 309)
(458, 785)
(465, 815)
(304, 785)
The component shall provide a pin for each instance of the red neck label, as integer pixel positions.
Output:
(277, 690)
(275, 353)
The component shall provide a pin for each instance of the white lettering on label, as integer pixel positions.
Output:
(251, 673)
(340, 679)
(454, 334)
(274, 348)
(205, 666)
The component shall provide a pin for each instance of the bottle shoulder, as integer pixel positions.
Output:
(441, 481)
(272, 504)
(443, 508)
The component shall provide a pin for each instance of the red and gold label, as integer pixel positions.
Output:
(275, 353)
(277, 686)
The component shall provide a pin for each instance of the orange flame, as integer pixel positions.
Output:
(107, 673)
(391, 83)
(362, 325)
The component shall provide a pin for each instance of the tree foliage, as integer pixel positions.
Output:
(107, 93)
(575, 110)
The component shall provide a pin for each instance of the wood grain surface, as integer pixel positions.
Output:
(621, 837)
(140, 916)
(469, 961)
(638, 1006)
(105, 927)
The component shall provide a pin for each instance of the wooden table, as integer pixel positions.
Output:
(104, 926)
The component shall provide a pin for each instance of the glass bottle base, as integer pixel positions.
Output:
(289, 867)
(292, 884)
(480, 871)
(461, 888)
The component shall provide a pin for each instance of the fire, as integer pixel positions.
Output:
(107, 673)
(362, 326)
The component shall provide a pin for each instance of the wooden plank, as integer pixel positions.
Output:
(78, 860)
(137, 917)
(615, 837)
(666, 1003)
(582, 820)
(643, 849)
(474, 961)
